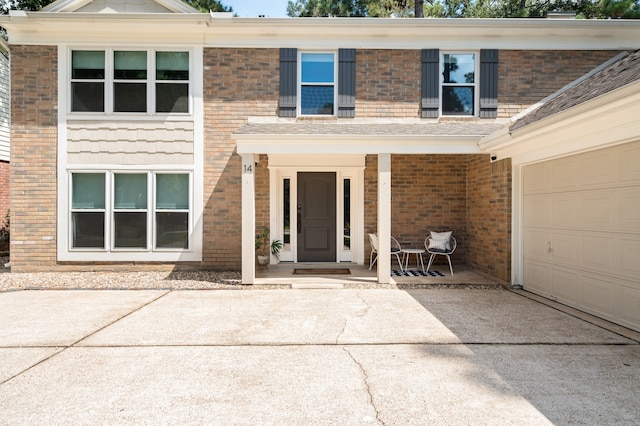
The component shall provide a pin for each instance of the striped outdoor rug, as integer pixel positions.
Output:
(416, 273)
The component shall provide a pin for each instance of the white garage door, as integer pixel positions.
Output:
(581, 232)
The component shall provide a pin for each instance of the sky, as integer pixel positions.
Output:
(253, 8)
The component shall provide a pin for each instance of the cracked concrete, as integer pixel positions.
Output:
(365, 379)
(323, 357)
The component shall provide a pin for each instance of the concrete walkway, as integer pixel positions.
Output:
(302, 357)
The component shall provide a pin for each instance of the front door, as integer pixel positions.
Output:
(316, 215)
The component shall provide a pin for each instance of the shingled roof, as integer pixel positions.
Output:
(621, 73)
(369, 129)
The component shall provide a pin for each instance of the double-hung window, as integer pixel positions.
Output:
(317, 85)
(130, 211)
(459, 92)
(130, 81)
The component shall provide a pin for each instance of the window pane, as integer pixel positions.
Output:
(172, 65)
(347, 214)
(87, 191)
(87, 64)
(172, 97)
(130, 65)
(316, 100)
(172, 191)
(130, 191)
(286, 209)
(457, 100)
(130, 230)
(172, 230)
(88, 229)
(459, 68)
(130, 97)
(87, 97)
(317, 68)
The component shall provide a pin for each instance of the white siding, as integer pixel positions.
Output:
(5, 112)
(130, 143)
(581, 232)
(130, 6)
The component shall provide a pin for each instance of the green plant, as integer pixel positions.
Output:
(5, 228)
(262, 242)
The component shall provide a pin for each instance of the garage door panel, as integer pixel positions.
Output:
(537, 211)
(564, 210)
(598, 210)
(565, 284)
(597, 294)
(537, 277)
(537, 178)
(566, 248)
(565, 173)
(537, 244)
(630, 163)
(630, 257)
(630, 211)
(630, 306)
(600, 168)
(598, 253)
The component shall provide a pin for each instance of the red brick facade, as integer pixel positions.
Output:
(464, 193)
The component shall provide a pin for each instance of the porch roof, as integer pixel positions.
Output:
(338, 136)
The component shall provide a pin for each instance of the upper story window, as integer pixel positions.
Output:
(317, 83)
(459, 84)
(130, 81)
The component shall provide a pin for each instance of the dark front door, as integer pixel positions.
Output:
(316, 217)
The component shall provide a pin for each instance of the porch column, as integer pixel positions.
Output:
(384, 218)
(248, 219)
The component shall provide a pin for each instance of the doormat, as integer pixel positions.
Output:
(322, 271)
(413, 273)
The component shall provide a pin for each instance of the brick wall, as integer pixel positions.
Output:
(237, 83)
(488, 212)
(388, 83)
(428, 193)
(33, 157)
(528, 76)
(4, 190)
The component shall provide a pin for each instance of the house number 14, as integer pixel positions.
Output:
(248, 168)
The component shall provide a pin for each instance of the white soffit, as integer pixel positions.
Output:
(176, 6)
(218, 31)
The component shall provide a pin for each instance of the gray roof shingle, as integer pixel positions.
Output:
(370, 129)
(615, 76)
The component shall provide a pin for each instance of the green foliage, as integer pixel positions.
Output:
(208, 5)
(262, 242)
(5, 226)
(590, 9)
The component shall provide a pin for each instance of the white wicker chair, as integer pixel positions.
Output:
(396, 250)
(442, 247)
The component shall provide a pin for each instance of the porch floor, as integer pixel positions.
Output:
(360, 276)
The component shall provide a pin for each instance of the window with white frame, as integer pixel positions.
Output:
(317, 83)
(459, 87)
(130, 81)
(130, 211)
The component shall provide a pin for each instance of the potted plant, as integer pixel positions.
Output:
(262, 245)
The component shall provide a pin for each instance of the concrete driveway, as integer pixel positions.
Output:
(345, 357)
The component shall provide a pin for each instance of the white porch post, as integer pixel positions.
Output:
(248, 219)
(384, 218)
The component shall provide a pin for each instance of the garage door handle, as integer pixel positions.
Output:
(549, 249)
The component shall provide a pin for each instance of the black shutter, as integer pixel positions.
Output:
(430, 83)
(288, 82)
(346, 82)
(488, 83)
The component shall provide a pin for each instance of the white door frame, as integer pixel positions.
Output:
(345, 167)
